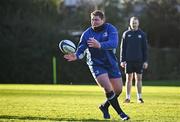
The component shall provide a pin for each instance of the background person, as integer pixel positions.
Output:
(134, 57)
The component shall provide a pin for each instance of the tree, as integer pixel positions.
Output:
(160, 20)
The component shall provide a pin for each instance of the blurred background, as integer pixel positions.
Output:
(30, 31)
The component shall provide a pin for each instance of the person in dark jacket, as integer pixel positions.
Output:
(99, 42)
(133, 57)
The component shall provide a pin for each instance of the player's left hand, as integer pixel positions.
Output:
(145, 65)
(70, 57)
(93, 43)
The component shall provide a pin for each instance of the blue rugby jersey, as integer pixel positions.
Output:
(133, 46)
(107, 37)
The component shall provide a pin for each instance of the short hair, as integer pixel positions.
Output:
(98, 13)
(133, 17)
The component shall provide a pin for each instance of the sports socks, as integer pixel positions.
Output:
(128, 96)
(139, 96)
(106, 104)
(112, 98)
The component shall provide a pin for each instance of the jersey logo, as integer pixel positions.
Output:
(129, 35)
(105, 34)
(139, 36)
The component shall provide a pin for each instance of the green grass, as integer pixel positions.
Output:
(80, 103)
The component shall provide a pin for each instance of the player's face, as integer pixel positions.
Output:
(134, 23)
(96, 21)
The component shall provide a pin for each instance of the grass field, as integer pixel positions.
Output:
(80, 103)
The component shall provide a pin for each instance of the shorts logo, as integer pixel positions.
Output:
(96, 72)
(139, 36)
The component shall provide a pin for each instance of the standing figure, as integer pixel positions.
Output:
(134, 57)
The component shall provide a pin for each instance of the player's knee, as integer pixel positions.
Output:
(110, 95)
(129, 82)
(129, 78)
(138, 81)
(107, 90)
(118, 93)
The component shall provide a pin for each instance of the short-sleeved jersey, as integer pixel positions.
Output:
(108, 39)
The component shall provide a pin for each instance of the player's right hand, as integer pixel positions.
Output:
(70, 57)
(93, 43)
(123, 64)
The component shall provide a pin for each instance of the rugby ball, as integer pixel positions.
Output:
(67, 46)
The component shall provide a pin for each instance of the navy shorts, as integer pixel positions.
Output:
(112, 71)
(132, 67)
